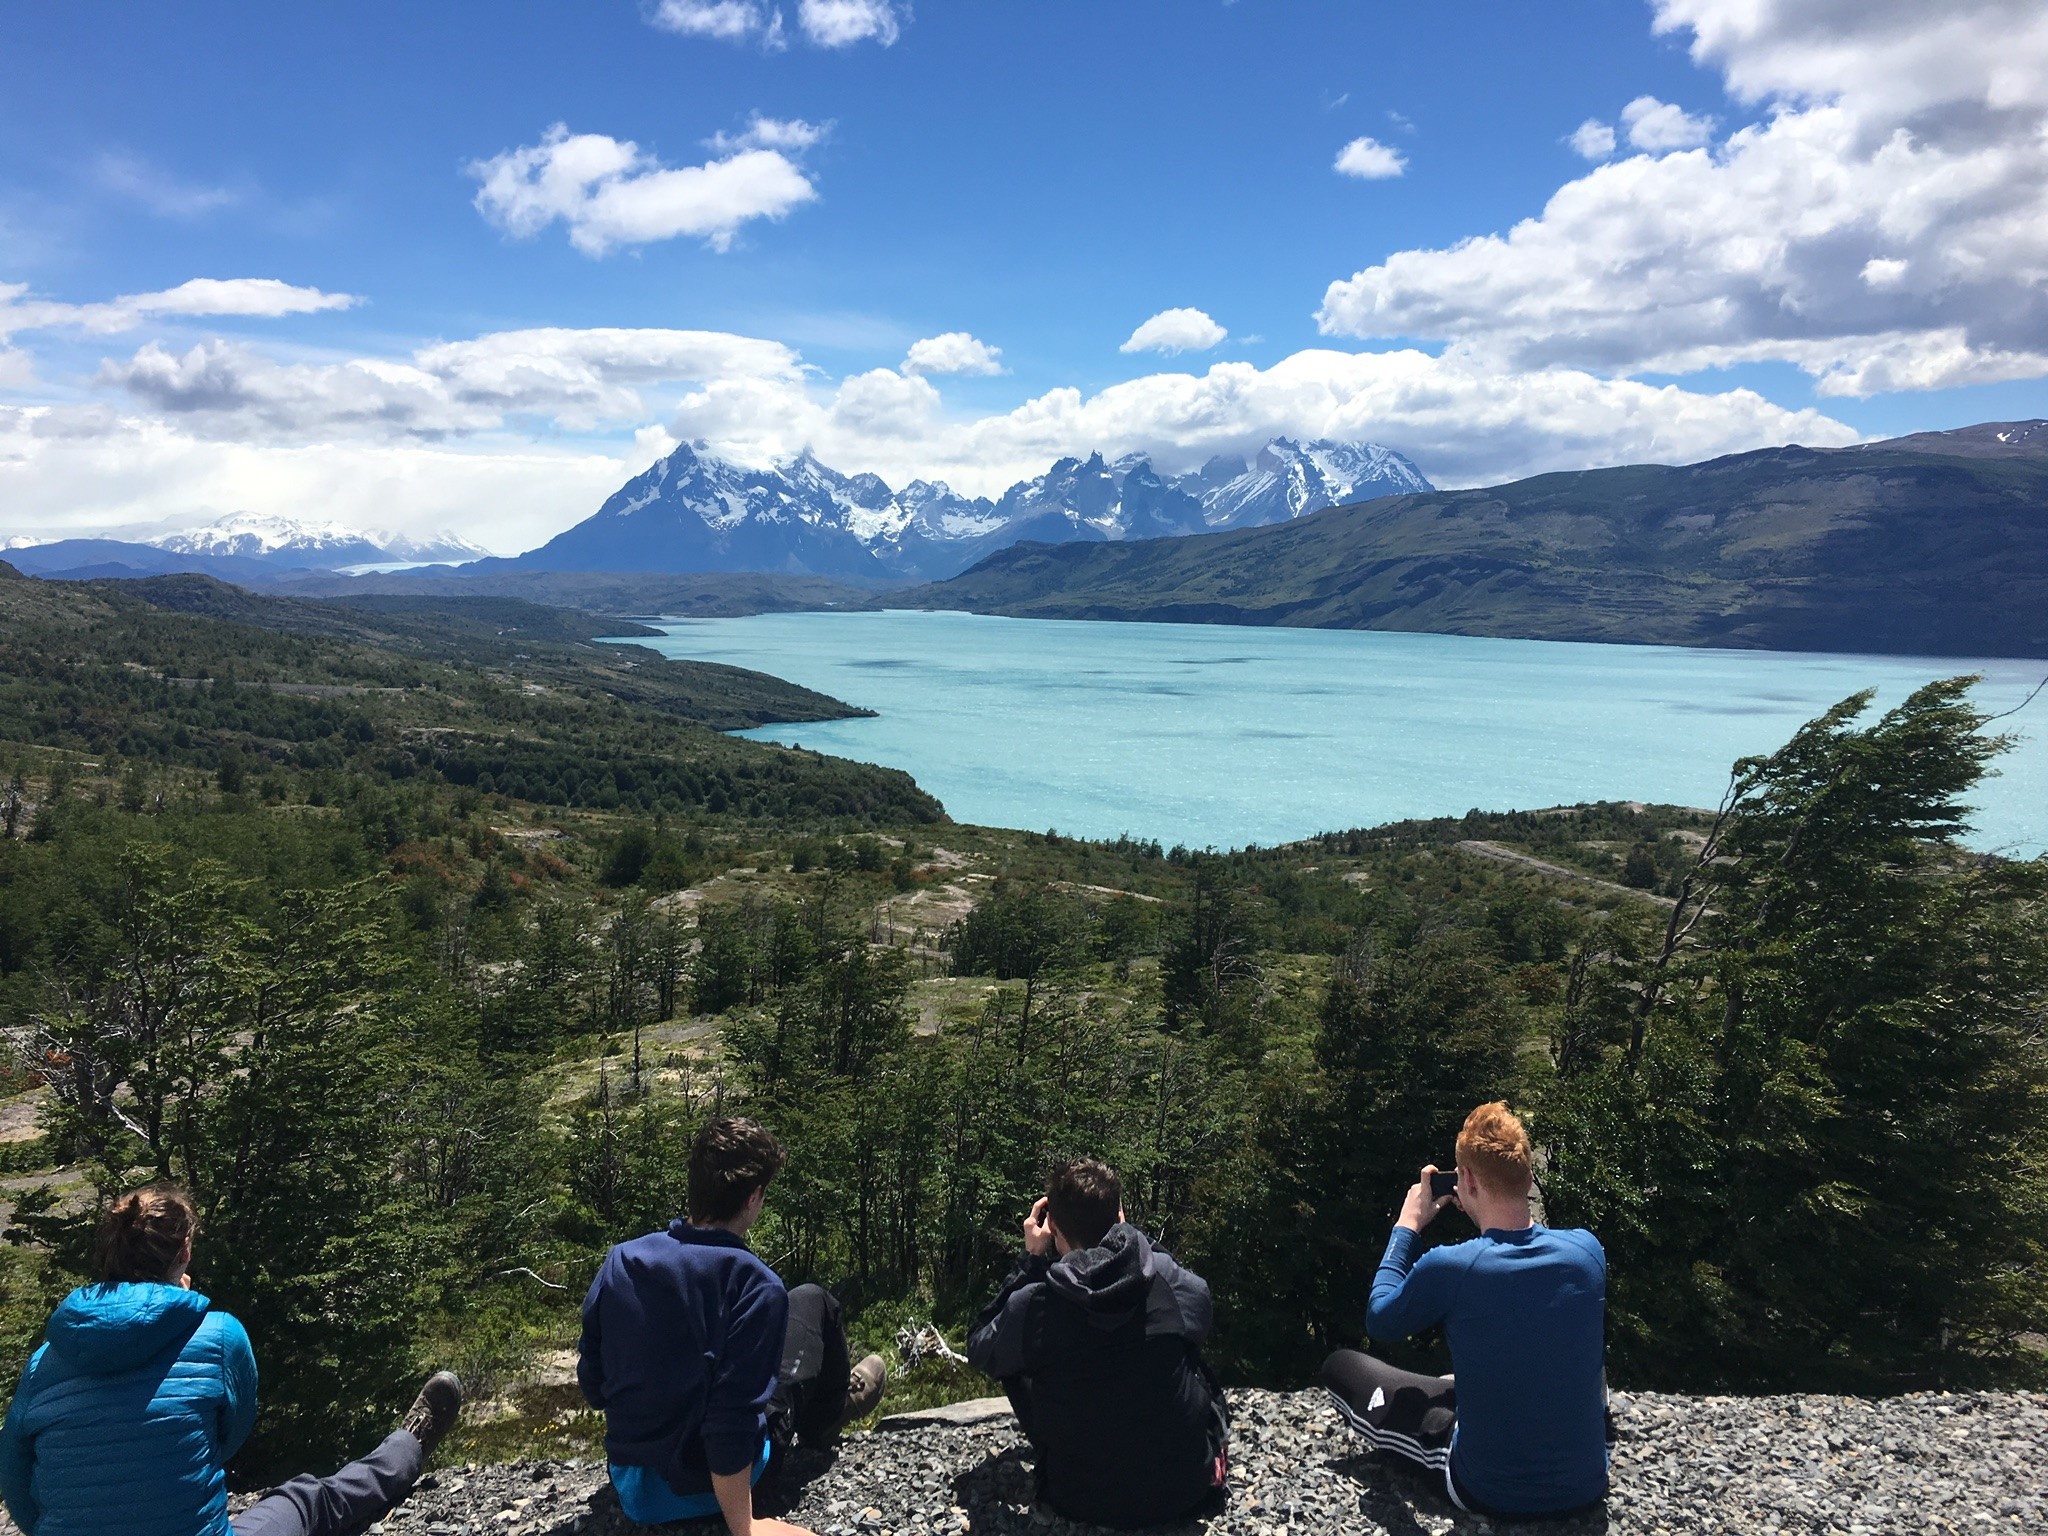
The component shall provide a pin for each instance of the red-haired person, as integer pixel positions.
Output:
(125, 1419)
(1520, 1428)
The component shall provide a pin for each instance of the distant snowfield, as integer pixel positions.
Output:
(1221, 736)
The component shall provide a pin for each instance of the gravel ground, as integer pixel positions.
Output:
(1933, 1462)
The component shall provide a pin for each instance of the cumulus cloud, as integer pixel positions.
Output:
(1884, 227)
(222, 426)
(257, 298)
(1370, 160)
(579, 380)
(729, 21)
(791, 133)
(826, 23)
(1175, 330)
(83, 471)
(1592, 139)
(842, 23)
(1659, 127)
(953, 352)
(1463, 420)
(609, 193)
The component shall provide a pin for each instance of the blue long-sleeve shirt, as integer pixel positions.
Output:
(1524, 1313)
(682, 1341)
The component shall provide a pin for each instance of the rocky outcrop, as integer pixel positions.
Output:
(1933, 1462)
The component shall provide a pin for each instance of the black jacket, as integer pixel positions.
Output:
(1101, 1355)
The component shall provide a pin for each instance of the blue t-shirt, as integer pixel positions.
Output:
(1524, 1313)
(647, 1499)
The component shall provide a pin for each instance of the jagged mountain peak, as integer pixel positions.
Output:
(695, 511)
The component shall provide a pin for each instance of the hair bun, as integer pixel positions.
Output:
(144, 1233)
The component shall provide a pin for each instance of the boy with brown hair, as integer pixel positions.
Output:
(1520, 1428)
(702, 1363)
(1096, 1337)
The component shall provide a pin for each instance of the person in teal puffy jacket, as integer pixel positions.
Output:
(128, 1413)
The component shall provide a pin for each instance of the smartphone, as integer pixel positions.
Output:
(1441, 1184)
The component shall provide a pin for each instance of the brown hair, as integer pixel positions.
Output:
(1495, 1145)
(143, 1234)
(1085, 1199)
(729, 1160)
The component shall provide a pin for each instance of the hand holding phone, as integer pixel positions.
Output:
(1426, 1196)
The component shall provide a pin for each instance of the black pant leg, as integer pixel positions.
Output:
(1399, 1412)
(346, 1504)
(810, 1390)
(1018, 1390)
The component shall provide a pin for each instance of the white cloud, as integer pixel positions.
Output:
(257, 298)
(438, 437)
(1894, 60)
(953, 352)
(1463, 420)
(729, 21)
(792, 134)
(842, 23)
(1370, 160)
(826, 23)
(1175, 330)
(1885, 226)
(76, 472)
(1592, 139)
(609, 193)
(579, 380)
(1659, 127)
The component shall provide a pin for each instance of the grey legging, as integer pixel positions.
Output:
(346, 1504)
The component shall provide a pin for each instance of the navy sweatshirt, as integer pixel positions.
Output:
(1524, 1313)
(682, 1339)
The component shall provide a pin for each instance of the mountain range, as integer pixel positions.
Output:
(1934, 544)
(696, 512)
(243, 547)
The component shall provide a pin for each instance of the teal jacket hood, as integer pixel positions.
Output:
(127, 1416)
(104, 1330)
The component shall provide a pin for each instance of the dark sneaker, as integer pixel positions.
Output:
(864, 1388)
(434, 1411)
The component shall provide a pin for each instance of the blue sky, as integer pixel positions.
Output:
(792, 205)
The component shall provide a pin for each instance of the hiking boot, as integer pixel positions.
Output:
(864, 1389)
(434, 1411)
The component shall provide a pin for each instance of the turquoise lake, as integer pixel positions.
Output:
(1214, 736)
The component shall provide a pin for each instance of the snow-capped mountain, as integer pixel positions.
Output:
(1288, 480)
(242, 548)
(286, 541)
(1078, 499)
(693, 511)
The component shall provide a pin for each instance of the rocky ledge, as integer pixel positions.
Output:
(1934, 1462)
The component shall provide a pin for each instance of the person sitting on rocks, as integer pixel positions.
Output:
(126, 1417)
(1096, 1337)
(1519, 1429)
(704, 1366)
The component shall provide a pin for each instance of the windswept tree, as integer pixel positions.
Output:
(1817, 1145)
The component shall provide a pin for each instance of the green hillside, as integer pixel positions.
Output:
(320, 698)
(1935, 544)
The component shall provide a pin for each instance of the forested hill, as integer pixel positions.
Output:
(487, 692)
(1935, 544)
